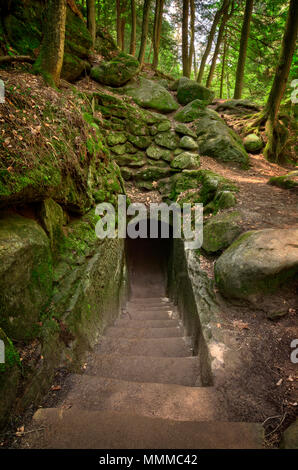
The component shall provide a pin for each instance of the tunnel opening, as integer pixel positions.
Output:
(148, 262)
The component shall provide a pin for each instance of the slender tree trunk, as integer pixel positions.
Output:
(185, 56)
(91, 20)
(276, 135)
(118, 23)
(159, 6)
(50, 59)
(144, 31)
(221, 30)
(133, 37)
(223, 64)
(122, 27)
(195, 65)
(150, 51)
(243, 48)
(192, 35)
(209, 43)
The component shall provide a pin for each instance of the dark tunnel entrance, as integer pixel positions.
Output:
(148, 261)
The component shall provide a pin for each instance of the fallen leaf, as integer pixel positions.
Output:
(240, 324)
(54, 388)
(279, 382)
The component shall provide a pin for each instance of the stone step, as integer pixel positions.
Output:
(148, 315)
(127, 323)
(157, 347)
(147, 399)
(121, 332)
(167, 370)
(75, 428)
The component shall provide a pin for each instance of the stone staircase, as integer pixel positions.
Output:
(141, 389)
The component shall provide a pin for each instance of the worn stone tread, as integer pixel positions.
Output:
(75, 428)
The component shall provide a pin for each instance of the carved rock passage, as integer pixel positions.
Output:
(140, 388)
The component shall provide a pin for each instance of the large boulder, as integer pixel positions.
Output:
(191, 111)
(189, 90)
(257, 263)
(25, 275)
(150, 94)
(116, 72)
(217, 140)
(220, 231)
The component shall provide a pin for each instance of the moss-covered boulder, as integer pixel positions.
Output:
(149, 94)
(253, 143)
(191, 112)
(151, 173)
(167, 139)
(185, 160)
(217, 140)
(164, 126)
(189, 90)
(288, 181)
(115, 138)
(184, 130)
(117, 71)
(257, 263)
(290, 437)
(25, 275)
(139, 141)
(52, 219)
(220, 231)
(157, 153)
(132, 160)
(188, 143)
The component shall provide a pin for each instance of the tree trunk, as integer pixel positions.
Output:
(144, 31)
(122, 32)
(209, 43)
(133, 37)
(195, 65)
(118, 23)
(192, 35)
(243, 48)
(91, 21)
(185, 57)
(276, 135)
(224, 55)
(224, 20)
(159, 6)
(50, 59)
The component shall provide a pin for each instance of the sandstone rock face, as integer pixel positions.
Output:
(52, 217)
(258, 262)
(117, 71)
(25, 275)
(220, 231)
(189, 90)
(150, 94)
